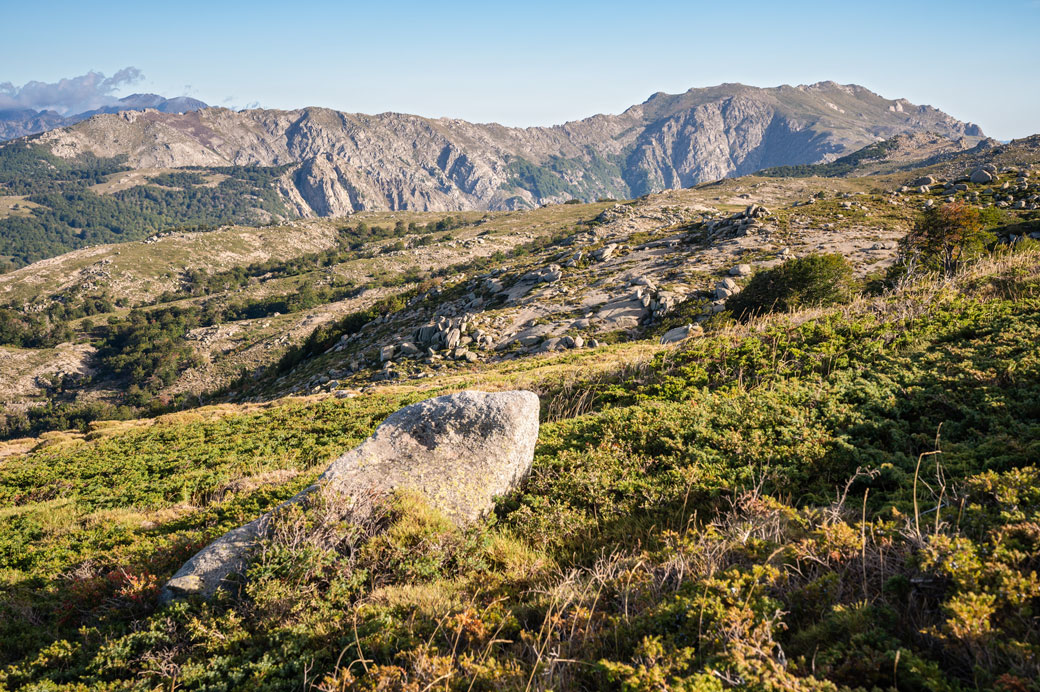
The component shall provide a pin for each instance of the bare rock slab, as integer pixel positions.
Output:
(459, 451)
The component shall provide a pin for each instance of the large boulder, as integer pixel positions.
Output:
(458, 451)
(981, 177)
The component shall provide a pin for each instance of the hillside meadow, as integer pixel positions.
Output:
(843, 498)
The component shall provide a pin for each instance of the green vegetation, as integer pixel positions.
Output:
(810, 281)
(27, 169)
(353, 242)
(49, 327)
(143, 351)
(837, 168)
(943, 238)
(541, 181)
(327, 336)
(179, 179)
(70, 215)
(581, 179)
(844, 503)
(148, 348)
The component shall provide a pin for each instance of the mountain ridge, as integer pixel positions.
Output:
(347, 162)
(25, 122)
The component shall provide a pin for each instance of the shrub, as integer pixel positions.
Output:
(814, 280)
(943, 237)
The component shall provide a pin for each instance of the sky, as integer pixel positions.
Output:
(531, 63)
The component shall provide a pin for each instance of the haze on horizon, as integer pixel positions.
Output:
(544, 65)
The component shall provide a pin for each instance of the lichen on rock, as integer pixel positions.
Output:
(458, 451)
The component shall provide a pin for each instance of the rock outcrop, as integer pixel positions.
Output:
(458, 451)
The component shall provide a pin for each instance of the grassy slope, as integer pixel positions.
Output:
(139, 273)
(738, 511)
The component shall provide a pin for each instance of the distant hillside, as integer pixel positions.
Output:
(902, 152)
(936, 155)
(53, 205)
(22, 122)
(343, 162)
(316, 162)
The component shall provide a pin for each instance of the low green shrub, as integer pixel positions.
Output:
(754, 511)
(811, 281)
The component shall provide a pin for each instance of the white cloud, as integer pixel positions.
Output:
(69, 95)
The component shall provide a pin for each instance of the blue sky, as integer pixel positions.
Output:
(537, 63)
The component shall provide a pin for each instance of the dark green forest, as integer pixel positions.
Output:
(71, 216)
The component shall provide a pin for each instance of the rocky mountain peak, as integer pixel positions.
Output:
(344, 162)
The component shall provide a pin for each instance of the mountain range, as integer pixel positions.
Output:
(21, 122)
(338, 163)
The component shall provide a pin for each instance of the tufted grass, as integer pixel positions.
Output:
(835, 498)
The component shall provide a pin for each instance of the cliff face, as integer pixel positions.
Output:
(343, 162)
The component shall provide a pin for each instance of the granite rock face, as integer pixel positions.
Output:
(345, 162)
(458, 451)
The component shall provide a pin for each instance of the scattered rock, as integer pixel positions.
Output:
(548, 274)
